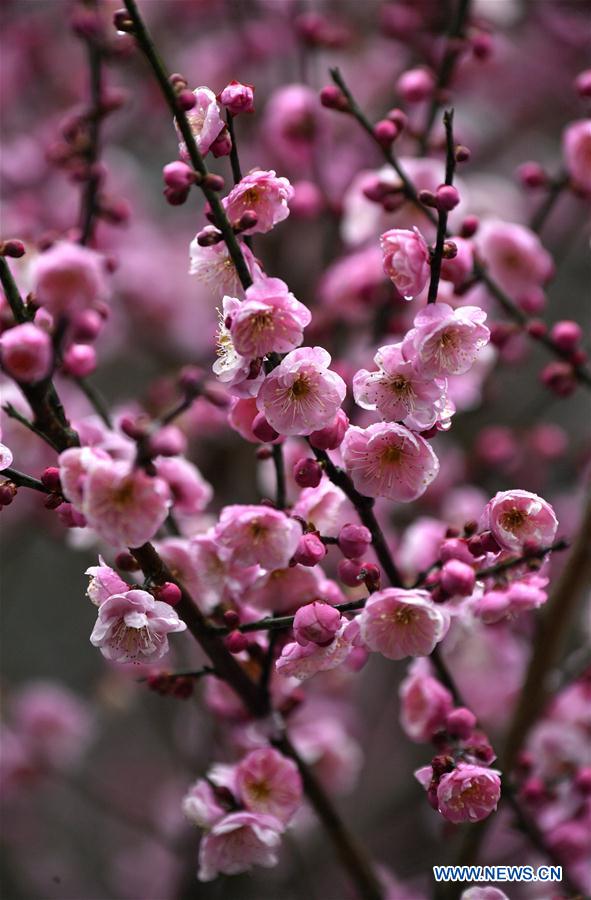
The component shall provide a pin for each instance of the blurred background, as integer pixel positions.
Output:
(100, 816)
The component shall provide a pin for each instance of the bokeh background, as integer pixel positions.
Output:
(107, 824)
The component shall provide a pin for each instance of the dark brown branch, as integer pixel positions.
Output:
(450, 166)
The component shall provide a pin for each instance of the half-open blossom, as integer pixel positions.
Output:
(446, 341)
(468, 793)
(406, 260)
(424, 703)
(514, 256)
(316, 623)
(576, 149)
(297, 661)
(258, 535)
(262, 193)
(237, 97)
(268, 782)
(302, 394)
(104, 582)
(400, 391)
(68, 278)
(238, 842)
(133, 627)
(399, 623)
(518, 597)
(388, 460)
(270, 320)
(518, 518)
(201, 806)
(205, 120)
(26, 353)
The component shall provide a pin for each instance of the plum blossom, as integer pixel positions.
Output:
(283, 590)
(316, 623)
(388, 460)
(424, 703)
(400, 391)
(54, 723)
(270, 320)
(399, 623)
(26, 353)
(190, 491)
(233, 369)
(518, 519)
(104, 582)
(205, 121)
(262, 193)
(201, 806)
(258, 535)
(68, 279)
(514, 256)
(237, 842)
(292, 124)
(446, 341)
(301, 662)
(133, 627)
(406, 260)
(576, 149)
(214, 266)
(302, 394)
(519, 597)
(468, 793)
(267, 782)
(237, 97)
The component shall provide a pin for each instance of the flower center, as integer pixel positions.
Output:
(391, 455)
(513, 519)
(300, 388)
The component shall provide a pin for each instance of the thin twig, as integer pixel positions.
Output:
(95, 399)
(23, 480)
(450, 166)
(538, 220)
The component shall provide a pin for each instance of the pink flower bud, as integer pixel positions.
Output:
(176, 196)
(14, 249)
(307, 472)
(583, 83)
(482, 46)
(350, 572)
(399, 117)
(213, 182)
(231, 618)
(405, 260)
(222, 146)
(237, 98)
(50, 477)
(316, 623)
(447, 197)
(532, 175)
(310, 550)
(26, 353)
(169, 593)
(52, 501)
(457, 578)
(333, 98)
(126, 562)
(263, 430)
(236, 642)
(455, 548)
(79, 360)
(532, 301)
(463, 154)
(566, 335)
(371, 576)
(178, 175)
(331, 437)
(8, 491)
(247, 220)
(354, 540)
(536, 328)
(469, 226)
(385, 132)
(86, 325)
(559, 377)
(415, 85)
(186, 99)
(460, 723)
(168, 441)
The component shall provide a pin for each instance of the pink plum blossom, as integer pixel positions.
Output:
(267, 782)
(400, 391)
(283, 590)
(399, 623)
(201, 806)
(214, 267)
(388, 460)
(258, 535)
(53, 722)
(26, 353)
(514, 256)
(424, 703)
(233, 369)
(237, 97)
(292, 124)
(191, 493)
(576, 149)
(406, 260)
(68, 279)
(468, 793)
(301, 662)
(270, 320)
(301, 394)
(325, 507)
(205, 121)
(104, 582)
(237, 842)
(446, 341)
(519, 597)
(262, 193)
(520, 519)
(133, 627)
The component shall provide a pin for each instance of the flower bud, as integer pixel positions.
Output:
(331, 437)
(168, 441)
(371, 575)
(310, 550)
(213, 182)
(169, 593)
(566, 335)
(231, 618)
(350, 572)
(79, 360)
(455, 548)
(186, 99)
(176, 196)
(353, 540)
(415, 85)
(8, 491)
(316, 623)
(50, 477)
(70, 517)
(332, 97)
(307, 472)
(462, 154)
(26, 353)
(126, 562)
(532, 175)
(237, 98)
(178, 175)
(447, 197)
(399, 117)
(247, 220)
(263, 430)
(86, 325)
(385, 132)
(469, 226)
(236, 642)
(457, 578)
(460, 723)
(583, 83)
(13, 248)
(559, 377)
(222, 146)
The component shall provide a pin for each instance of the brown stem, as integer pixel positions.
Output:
(450, 166)
(90, 206)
